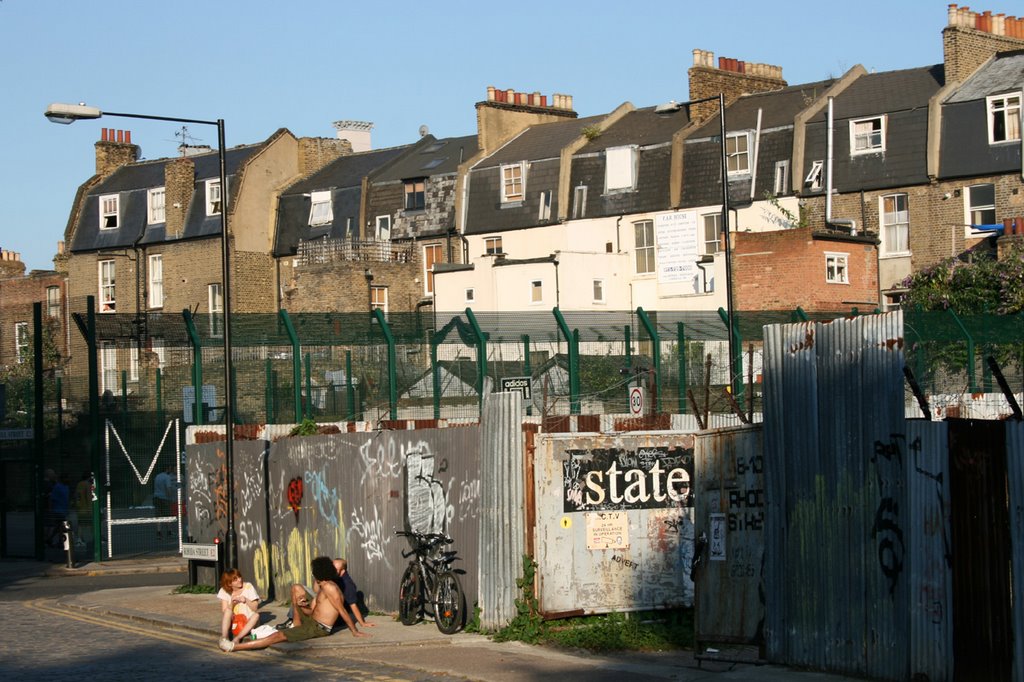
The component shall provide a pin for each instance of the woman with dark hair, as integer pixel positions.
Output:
(239, 602)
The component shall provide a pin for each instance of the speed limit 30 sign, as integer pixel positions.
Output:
(636, 401)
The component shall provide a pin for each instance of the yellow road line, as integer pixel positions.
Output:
(195, 640)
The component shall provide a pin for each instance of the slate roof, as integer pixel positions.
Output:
(641, 127)
(343, 177)
(1005, 73)
(543, 141)
(778, 109)
(132, 182)
(887, 92)
(437, 157)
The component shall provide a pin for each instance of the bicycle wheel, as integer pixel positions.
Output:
(410, 597)
(449, 603)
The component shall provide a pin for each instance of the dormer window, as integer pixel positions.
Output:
(513, 182)
(415, 194)
(1004, 115)
(320, 211)
(213, 197)
(737, 153)
(155, 199)
(813, 179)
(867, 135)
(620, 169)
(109, 211)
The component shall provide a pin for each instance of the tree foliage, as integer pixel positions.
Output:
(981, 285)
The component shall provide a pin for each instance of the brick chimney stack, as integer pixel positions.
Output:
(11, 265)
(179, 186)
(505, 113)
(115, 149)
(971, 38)
(731, 77)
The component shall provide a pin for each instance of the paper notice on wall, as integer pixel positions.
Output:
(607, 530)
(677, 253)
(716, 547)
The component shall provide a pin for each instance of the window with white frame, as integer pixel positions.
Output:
(545, 206)
(53, 302)
(837, 268)
(158, 348)
(133, 363)
(513, 182)
(213, 197)
(321, 211)
(379, 299)
(781, 185)
(215, 301)
(108, 368)
(431, 255)
(156, 280)
(598, 290)
(155, 205)
(643, 245)
(620, 168)
(712, 232)
(470, 295)
(1004, 118)
(867, 135)
(383, 231)
(895, 225)
(109, 204)
(579, 201)
(737, 153)
(536, 291)
(107, 277)
(814, 176)
(415, 194)
(981, 205)
(492, 246)
(21, 342)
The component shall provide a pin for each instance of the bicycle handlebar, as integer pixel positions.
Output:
(423, 542)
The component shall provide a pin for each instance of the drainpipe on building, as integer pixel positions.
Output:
(828, 165)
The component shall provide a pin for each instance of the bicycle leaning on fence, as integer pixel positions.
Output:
(430, 585)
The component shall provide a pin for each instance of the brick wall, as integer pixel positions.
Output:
(732, 78)
(343, 287)
(965, 46)
(317, 152)
(17, 296)
(253, 282)
(179, 185)
(785, 269)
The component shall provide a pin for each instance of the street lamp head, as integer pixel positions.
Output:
(59, 112)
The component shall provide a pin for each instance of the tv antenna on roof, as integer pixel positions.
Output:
(185, 138)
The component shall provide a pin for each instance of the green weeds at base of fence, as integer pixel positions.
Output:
(195, 589)
(638, 631)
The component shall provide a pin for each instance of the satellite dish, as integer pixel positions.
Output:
(424, 130)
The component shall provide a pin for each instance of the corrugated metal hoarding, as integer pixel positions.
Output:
(346, 495)
(1015, 481)
(614, 525)
(731, 518)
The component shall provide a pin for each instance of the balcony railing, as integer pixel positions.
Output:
(324, 251)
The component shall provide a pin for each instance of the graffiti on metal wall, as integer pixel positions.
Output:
(886, 530)
(616, 478)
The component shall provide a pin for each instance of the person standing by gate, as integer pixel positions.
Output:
(163, 488)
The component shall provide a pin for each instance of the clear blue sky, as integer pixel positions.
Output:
(302, 65)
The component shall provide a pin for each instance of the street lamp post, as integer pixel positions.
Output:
(69, 113)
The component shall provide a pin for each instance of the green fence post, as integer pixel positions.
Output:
(94, 426)
(481, 356)
(197, 366)
(296, 362)
(574, 398)
(735, 362)
(799, 315)
(655, 353)
(308, 412)
(680, 334)
(160, 416)
(124, 394)
(435, 374)
(971, 379)
(350, 392)
(527, 371)
(268, 394)
(389, 338)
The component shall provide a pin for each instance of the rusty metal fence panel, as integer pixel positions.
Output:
(614, 523)
(1015, 484)
(837, 594)
(730, 497)
(501, 491)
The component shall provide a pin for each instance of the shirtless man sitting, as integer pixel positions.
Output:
(310, 620)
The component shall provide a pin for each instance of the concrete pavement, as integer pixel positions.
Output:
(419, 647)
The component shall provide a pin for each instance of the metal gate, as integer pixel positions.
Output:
(131, 465)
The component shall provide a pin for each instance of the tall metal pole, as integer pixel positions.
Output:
(728, 245)
(230, 539)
